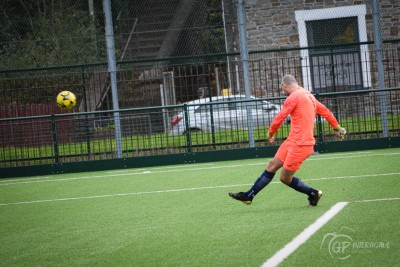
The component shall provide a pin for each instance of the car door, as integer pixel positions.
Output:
(213, 115)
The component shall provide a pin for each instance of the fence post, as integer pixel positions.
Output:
(212, 121)
(319, 124)
(188, 139)
(112, 70)
(55, 139)
(86, 110)
(381, 83)
(244, 54)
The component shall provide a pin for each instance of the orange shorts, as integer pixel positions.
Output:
(293, 155)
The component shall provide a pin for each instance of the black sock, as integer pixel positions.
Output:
(300, 186)
(265, 178)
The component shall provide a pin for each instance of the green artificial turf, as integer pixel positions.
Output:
(182, 215)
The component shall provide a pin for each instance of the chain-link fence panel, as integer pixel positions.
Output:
(51, 33)
(170, 28)
(208, 125)
(174, 51)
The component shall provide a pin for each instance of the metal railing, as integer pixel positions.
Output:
(31, 92)
(76, 137)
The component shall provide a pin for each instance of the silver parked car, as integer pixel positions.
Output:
(207, 114)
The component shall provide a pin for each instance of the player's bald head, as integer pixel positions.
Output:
(289, 79)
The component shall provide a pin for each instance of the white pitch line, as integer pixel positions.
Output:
(128, 174)
(6, 180)
(160, 168)
(339, 154)
(289, 248)
(352, 176)
(355, 156)
(144, 171)
(375, 200)
(185, 189)
(168, 171)
(122, 194)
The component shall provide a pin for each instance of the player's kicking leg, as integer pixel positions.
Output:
(314, 195)
(247, 197)
(265, 178)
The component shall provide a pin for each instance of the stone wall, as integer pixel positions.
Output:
(272, 24)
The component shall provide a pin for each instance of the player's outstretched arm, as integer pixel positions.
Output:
(279, 119)
(327, 114)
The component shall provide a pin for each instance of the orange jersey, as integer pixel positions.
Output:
(302, 107)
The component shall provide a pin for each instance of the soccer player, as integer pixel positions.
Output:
(302, 107)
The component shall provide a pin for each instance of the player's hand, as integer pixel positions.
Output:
(270, 138)
(340, 132)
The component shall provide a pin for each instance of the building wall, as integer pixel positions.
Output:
(272, 24)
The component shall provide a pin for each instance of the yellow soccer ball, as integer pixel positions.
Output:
(66, 100)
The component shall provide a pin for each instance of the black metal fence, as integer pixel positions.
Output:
(172, 52)
(172, 81)
(207, 126)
